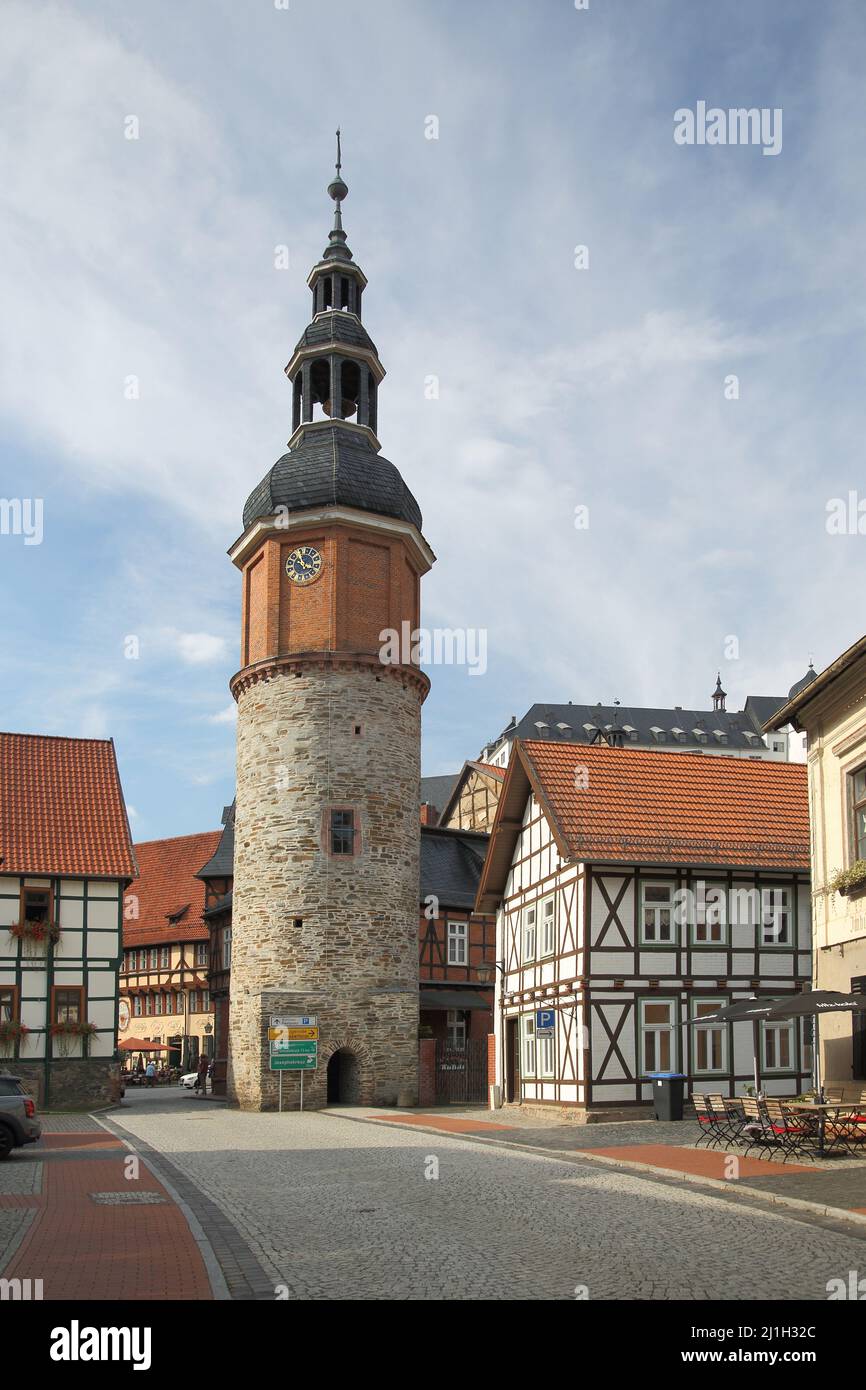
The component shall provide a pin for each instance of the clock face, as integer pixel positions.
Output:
(304, 565)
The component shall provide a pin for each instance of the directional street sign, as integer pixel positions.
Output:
(294, 1021)
(294, 1061)
(286, 1045)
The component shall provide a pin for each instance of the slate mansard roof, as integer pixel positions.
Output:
(636, 806)
(62, 809)
(451, 864)
(169, 895)
(680, 727)
(333, 466)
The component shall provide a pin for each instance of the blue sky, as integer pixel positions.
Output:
(154, 258)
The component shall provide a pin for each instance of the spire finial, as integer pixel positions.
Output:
(337, 248)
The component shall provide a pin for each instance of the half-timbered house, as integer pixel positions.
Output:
(164, 987)
(634, 891)
(454, 940)
(65, 858)
(472, 802)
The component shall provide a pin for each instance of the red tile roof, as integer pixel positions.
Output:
(645, 805)
(170, 897)
(61, 808)
(491, 767)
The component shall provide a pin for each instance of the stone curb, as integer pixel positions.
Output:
(739, 1189)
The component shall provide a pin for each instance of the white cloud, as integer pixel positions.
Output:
(228, 715)
(200, 648)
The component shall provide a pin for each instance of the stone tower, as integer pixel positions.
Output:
(327, 834)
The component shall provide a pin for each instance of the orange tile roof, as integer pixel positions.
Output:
(491, 767)
(170, 897)
(61, 808)
(650, 806)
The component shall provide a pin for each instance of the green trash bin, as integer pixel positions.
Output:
(667, 1094)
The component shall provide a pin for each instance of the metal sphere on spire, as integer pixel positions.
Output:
(337, 188)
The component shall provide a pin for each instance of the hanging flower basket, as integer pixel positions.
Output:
(11, 1034)
(65, 1034)
(35, 936)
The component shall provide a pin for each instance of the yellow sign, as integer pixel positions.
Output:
(283, 1034)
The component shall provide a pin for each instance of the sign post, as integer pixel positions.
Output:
(293, 1043)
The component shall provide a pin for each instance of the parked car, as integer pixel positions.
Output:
(189, 1079)
(18, 1122)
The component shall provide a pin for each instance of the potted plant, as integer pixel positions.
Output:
(850, 881)
(34, 935)
(12, 1034)
(65, 1033)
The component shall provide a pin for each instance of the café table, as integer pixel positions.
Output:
(820, 1112)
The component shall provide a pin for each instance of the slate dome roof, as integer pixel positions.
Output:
(801, 684)
(333, 467)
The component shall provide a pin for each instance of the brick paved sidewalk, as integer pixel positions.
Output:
(836, 1186)
(79, 1224)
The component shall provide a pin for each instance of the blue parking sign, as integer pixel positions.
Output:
(544, 1020)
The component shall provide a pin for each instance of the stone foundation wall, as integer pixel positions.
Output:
(334, 936)
(75, 1083)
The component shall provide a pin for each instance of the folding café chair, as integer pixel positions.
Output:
(792, 1130)
(846, 1130)
(708, 1121)
(729, 1117)
(752, 1125)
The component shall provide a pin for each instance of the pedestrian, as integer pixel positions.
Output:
(201, 1079)
(150, 1073)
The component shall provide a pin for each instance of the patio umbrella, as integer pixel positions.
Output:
(742, 1011)
(812, 1004)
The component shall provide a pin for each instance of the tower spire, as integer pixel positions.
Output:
(337, 250)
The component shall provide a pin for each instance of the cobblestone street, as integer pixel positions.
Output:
(332, 1208)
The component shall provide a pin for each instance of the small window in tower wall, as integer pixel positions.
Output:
(342, 832)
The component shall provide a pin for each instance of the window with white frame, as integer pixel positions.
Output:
(164, 957)
(527, 1029)
(455, 1026)
(710, 1041)
(529, 915)
(201, 953)
(546, 1051)
(548, 920)
(779, 1046)
(457, 934)
(136, 1005)
(148, 1003)
(657, 915)
(658, 1040)
(710, 917)
(154, 958)
(775, 916)
(227, 947)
